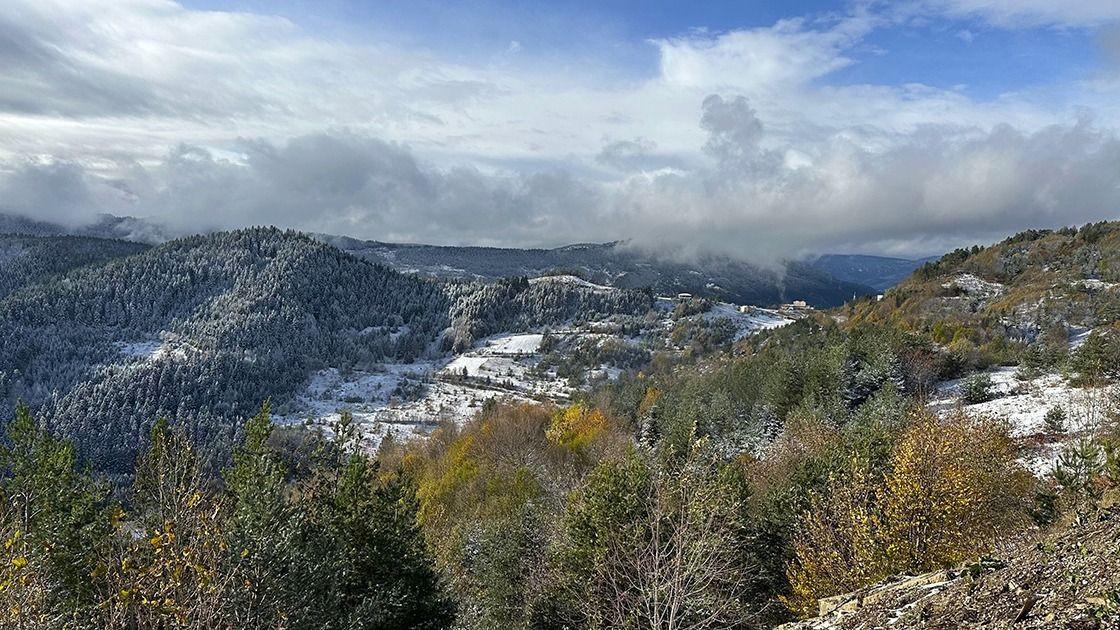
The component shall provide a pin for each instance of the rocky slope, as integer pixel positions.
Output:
(1068, 579)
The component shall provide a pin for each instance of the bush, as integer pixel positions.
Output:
(977, 389)
(653, 544)
(951, 488)
(1055, 421)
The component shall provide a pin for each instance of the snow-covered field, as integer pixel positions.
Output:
(141, 349)
(1024, 404)
(497, 367)
(514, 344)
(413, 398)
(747, 321)
(379, 407)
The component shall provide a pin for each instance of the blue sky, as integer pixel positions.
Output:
(761, 129)
(946, 51)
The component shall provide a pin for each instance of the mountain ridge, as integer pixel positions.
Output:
(614, 264)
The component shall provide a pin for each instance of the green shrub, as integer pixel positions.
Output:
(1055, 420)
(977, 389)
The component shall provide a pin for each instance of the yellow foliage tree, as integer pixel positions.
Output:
(838, 544)
(576, 426)
(952, 486)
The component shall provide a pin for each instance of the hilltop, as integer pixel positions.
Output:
(1016, 288)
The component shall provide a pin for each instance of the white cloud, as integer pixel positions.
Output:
(737, 142)
(787, 54)
(1016, 13)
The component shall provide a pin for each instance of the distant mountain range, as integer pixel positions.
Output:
(106, 226)
(877, 272)
(622, 266)
(827, 281)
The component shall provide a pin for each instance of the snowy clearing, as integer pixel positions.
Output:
(514, 344)
(1024, 405)
(570, 279)
(748, 320)
(975, 286)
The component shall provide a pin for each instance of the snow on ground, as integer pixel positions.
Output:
(375, 403)
(570, 279)
(506, 361)
(1078, 335)
(141, 349)
(748, 320)
(151, 350)
(497, 367)
(1004, 382)
(975, 286)
(1024, 404)
(514, 344)
(1093, 285)
(472, 365)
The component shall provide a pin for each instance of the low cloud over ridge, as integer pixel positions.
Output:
(762, 163)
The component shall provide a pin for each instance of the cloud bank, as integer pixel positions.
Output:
(737, 143)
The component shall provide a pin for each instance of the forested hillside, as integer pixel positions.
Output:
(797, 466)
(204, 328)
(25, 259)
(1018, 288)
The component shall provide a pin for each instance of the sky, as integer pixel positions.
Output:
(764, 130)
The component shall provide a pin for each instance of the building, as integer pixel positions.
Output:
(796, 306)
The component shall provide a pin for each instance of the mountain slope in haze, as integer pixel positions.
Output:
(877, 272)
(106, 226)
(611, 264)
(203, 329)
(28, 259)
(617, 265)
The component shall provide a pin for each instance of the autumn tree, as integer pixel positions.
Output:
(659, 545)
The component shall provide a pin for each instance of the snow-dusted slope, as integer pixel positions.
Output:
(1024, 405)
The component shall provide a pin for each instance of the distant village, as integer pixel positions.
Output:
(794, 309)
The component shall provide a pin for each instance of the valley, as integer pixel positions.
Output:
(524, 315)
(551, 365)
(523, 417)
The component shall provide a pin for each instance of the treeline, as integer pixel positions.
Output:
(316, 537)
